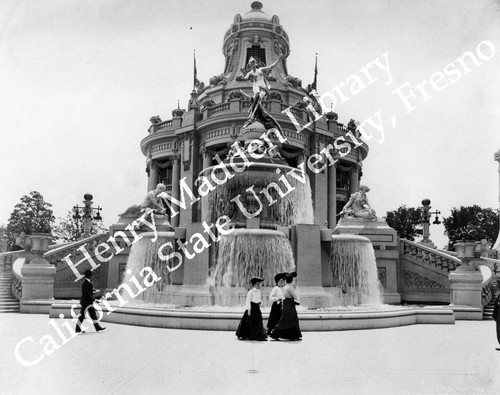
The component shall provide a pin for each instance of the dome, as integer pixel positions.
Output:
(256, 14)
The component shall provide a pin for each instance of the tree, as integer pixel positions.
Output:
(406, 221)
(31, 215)
(471, 223)
(70, 229)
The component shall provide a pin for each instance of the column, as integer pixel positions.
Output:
(497, 158)
(207, 159)
(153, 176)
(354, 179)
(176, 173)
(332, 196)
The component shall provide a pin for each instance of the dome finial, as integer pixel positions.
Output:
(256, 6)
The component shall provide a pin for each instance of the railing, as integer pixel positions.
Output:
(6, 258)
(493, 264)
(161, 125)
(218, 108)
(430, 256)
(294, 110)
(486, 292)
(56, 254)
(17, 279)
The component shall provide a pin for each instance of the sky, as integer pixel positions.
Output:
(79, 81)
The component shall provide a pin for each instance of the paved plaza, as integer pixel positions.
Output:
(418, 359)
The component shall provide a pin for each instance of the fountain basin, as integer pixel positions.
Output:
(227, 319)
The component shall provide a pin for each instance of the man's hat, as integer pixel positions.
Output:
(256, 280)
(87, 273)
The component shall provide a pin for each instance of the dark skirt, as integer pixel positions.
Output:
(251, 327)
(288, 326)
(274, 316)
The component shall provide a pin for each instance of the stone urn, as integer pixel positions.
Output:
(40, 243)
(465, 250)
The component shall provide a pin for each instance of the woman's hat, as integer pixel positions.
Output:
(256, 280)
(290, 275)
(278, 277)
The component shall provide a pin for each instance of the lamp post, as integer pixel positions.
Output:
(426, 216)
(85, 213)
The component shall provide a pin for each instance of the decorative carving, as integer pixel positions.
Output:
(275, 95)
(352, 125)
(255, 39)
(178, 112)
(416, 280)
(332, 116)
(208, 103)
(217, 80)
(262, 25)
(293, 81)
(231, 55)
(155, 120)
(149, 161)
(187, 145)
(236, 94)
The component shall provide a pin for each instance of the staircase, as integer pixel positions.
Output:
(488, 309)
(8, 303)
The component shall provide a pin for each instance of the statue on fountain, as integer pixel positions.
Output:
(261, 89)
(151, 205)
(358, 206)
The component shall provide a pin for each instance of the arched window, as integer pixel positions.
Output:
(257, 52)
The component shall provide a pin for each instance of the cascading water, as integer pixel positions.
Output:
(354, 269)
(144, 253)
(267, 190)
(247, 253)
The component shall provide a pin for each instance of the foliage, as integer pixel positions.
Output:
(471, 223)
(70, 229)
(31, 215)
(406, 221)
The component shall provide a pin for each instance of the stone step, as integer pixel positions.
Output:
(9, 310)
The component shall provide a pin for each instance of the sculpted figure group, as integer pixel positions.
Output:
(358, 205)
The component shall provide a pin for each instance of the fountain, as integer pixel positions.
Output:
(354, 271)
(144, 253)
(266, 183)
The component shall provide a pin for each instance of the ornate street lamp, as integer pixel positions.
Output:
(426, 216)
(85, 213)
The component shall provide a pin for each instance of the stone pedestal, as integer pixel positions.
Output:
(38, 283)
(466, 288)
(306, 245)
(194, 290)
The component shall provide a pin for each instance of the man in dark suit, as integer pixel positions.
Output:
(496, 317)
(86, 302)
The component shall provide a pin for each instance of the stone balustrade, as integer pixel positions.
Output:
(55, 255)
(430, 256)
(218, 108)
(165, 125)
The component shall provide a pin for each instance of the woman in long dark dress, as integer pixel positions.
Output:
(251, 326)
(288, 326)
(276, 297)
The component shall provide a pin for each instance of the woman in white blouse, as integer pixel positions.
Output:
(276, 298)
(251, 327)
(288, 326)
